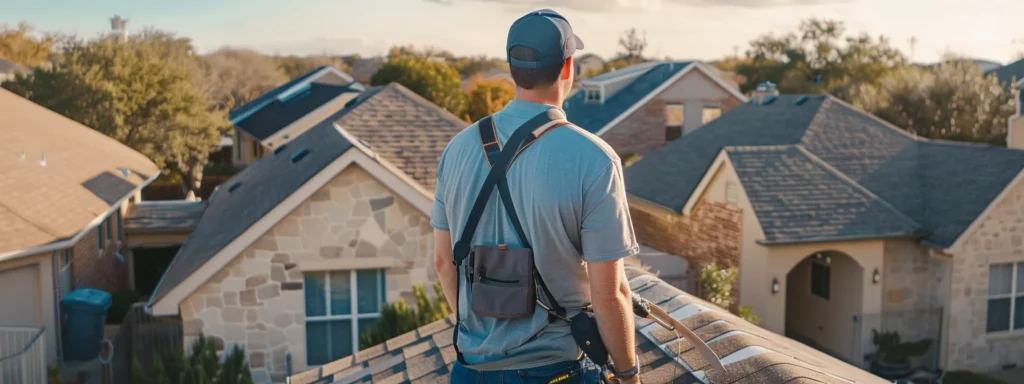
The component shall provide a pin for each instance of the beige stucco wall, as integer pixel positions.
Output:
(999, 239)
(243, 143)
(695, 90)
(37, 300)
(829, 322)
(353, 222)
(1015, 138)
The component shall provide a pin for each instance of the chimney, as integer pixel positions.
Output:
(765, 93)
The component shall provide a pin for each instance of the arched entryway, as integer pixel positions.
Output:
(824, 293)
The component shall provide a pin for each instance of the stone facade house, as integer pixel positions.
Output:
(749, 353)
(640, 108)
(587, 63)
(296, 254)
(841, 224)
(285, 112)
(66, 188)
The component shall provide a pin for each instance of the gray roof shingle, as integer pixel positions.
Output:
(594, 116)
(940, 186)
(426, 354)
(1009, 74)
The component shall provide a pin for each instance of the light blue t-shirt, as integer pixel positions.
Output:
(569, 194)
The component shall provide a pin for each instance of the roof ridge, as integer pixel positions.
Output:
(853, 183)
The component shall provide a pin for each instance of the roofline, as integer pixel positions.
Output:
(399, 183)
(651, 64)
(826, 239)
(314, 117)
(292, 89)
(70, 242)
(873, 117)
(705, 181)
(958, 244)
(667, 83)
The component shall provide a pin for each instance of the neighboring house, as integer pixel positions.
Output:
(296, 253)
(985, 66)
(841, 223)
(640, 108)
(490, 75)
(587, 63)
(285, 112)
(1012, 76)
(8, 70)
(65, 190)
(750, 354)
(364, 69)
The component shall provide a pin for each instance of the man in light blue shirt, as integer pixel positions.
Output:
(568, 192)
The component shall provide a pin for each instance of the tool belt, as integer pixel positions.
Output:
(504, 280)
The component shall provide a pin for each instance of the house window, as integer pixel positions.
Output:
(820, 277)
(1005, 297)
(709, 114)
(674, 119)
(340, 305)
(593, 95)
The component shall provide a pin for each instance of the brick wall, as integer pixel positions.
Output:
(644, 130)
(90, 269)
(710, 234)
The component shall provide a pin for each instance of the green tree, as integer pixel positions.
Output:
(468, 66)
(633, 44)
(295, 66)
(488, 97)
(434, 80)
(20, 46)
(134, 93)
(951, 101)
(398, 318)
(201, 366)
(818, 59)
(232, 77)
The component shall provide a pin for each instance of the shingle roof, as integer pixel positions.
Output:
(750, 354)
(404, 129)
(267, 114)
(940, 186)
(163, 216)
(1009, 74)
(260, 187)
(407, 130)
(788, 188)
(594, 116)
(84, 174)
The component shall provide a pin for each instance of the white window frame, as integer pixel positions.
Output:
(704, 111)
(1013, 295)
(353, 314)
(592, 95)
(682, 120)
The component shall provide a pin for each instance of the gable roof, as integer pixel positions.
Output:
(749, 353)
(407, 130)
(272, 111)
(404, 130)
(86, 175)
(655, 77)
(940, 186)
(1011, 74)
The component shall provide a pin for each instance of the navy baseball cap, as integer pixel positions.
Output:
(546, 31)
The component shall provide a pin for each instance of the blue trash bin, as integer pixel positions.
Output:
(85, 311)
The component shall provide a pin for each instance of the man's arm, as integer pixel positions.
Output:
(444, 266)
(611, 296)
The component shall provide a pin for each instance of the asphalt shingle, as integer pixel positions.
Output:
(1009, 74)
(594, 116)
(661, 362)
(941, 187)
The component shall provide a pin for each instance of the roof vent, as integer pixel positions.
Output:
(234, 186)
(765, 93)
(280, 149)
(21, 155)
(124, 171)
(299, 155)
(42, 159)
(800, 100)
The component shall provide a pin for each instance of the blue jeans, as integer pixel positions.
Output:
(577, 374)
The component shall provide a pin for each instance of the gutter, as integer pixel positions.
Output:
(837, 238)
(61, 244)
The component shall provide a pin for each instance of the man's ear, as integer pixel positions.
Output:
(566, 69)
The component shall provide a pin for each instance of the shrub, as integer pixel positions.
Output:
(892, 351)
(201, 367)
(397, 318)
(716, 286)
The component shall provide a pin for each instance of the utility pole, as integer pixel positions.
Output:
(913, 47)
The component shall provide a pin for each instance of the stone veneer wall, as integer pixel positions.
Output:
(1000, 239)
(710, 234)
(257, 301)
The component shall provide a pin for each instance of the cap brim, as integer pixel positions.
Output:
(579, 42)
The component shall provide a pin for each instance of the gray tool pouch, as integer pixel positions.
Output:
(502, 282)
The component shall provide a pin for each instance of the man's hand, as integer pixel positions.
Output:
(445, 267)
(612, 300)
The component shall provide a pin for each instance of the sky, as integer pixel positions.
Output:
(680, 29)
